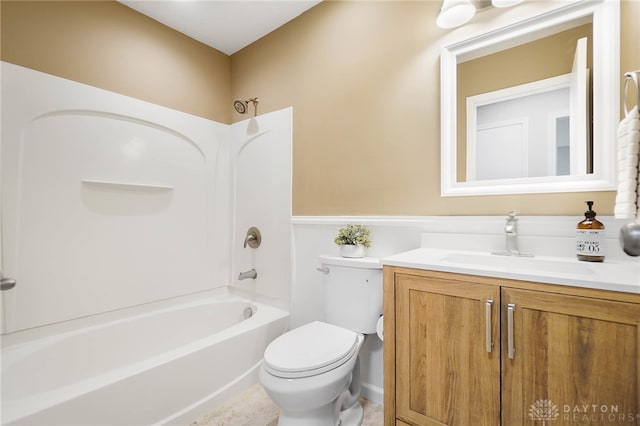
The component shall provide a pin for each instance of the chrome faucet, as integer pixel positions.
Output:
(511, 237)
(251, 273)
(511, 232)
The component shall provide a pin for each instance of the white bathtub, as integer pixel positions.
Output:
(162, 363)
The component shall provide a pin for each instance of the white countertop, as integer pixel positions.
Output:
(607, 275)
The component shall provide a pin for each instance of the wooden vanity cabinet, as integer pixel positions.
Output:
(571, 351)
(464, 350)
(444, 375)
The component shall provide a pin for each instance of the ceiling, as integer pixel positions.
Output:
(225, 25)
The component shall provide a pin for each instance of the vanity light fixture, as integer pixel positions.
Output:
(455, 13)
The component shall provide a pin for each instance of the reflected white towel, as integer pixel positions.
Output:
(628, 197)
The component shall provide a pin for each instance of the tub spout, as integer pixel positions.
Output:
(251, 273)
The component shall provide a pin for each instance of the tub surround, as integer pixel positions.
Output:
(156, 226)
(260, 152)
(114, 211)
(156, 206)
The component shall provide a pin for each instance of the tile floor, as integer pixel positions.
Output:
(253, 407)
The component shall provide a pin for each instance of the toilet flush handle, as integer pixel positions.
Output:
(323, 269)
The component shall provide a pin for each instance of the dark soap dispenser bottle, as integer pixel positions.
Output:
(590, 237)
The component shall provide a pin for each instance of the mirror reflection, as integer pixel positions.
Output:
(524, 111)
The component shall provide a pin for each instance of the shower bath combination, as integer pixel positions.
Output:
(241, 105)
(193, 157)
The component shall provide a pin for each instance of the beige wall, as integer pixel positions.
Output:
(108, 45)
(363, 78)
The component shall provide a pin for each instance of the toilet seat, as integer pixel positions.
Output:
(309, 350)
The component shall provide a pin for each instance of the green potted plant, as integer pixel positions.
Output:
(353, 239)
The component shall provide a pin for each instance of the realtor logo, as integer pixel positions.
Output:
(544, 410)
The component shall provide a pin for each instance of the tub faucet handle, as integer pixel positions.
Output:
(253, 238)
(7, 283)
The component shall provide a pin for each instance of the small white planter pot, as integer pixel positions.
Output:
(348, 250)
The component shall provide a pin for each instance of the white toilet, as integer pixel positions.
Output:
(312, 372)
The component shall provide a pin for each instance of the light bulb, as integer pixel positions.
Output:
(455, 13)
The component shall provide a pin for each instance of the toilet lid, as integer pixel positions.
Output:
(310, 350)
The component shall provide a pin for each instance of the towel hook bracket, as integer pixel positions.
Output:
(633, 76)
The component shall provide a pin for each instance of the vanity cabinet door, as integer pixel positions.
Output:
(573, 360)
(444, 373)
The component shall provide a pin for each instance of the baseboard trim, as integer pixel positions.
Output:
(372, 393)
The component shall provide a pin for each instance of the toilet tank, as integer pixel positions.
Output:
(353, 292)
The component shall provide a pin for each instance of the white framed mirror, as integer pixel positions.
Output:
(484, 152)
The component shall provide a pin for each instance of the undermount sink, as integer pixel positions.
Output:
(559, 265)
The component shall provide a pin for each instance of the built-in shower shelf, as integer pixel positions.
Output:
(127, 185)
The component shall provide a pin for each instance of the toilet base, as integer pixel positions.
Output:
(323, 416)
(352, 416)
